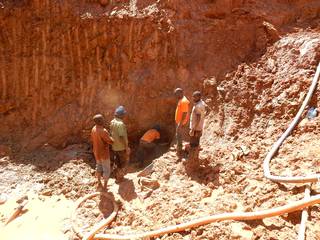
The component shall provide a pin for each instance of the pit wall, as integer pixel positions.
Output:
(63, 61)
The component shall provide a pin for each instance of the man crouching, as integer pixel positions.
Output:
(101, 141)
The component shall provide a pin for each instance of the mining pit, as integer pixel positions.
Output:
(62, 62)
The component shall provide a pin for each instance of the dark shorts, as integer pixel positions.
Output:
(120, 158)
(195, 139)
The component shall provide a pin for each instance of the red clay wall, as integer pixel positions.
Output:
(63, 61)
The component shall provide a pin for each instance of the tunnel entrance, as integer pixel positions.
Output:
(161, 147)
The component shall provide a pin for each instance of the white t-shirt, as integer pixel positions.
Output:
(198, 109)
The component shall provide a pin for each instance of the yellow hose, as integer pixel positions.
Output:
(304, 216)
(101, 224)
(219, 217)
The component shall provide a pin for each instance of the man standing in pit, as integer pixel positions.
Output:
(181, 118)
(196, 127)
(120, 147)
(100, 141)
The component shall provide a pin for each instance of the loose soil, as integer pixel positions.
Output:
(254, 62)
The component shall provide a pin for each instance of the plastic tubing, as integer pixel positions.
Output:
(304, 216)
(215, 218)
(101, 224)
(276, 146)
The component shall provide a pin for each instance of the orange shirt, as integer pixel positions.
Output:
(100, 141)
(151, 135)
(182, 107)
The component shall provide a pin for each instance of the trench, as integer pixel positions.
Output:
(294, 206)
(77, 60)
(162, 146)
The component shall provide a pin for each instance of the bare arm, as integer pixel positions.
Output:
(197, 121)
(184, 117)
(198, 118)
(106, 138)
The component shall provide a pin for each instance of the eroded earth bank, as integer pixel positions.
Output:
(63, 61)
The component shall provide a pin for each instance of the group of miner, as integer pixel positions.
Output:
(189, 126)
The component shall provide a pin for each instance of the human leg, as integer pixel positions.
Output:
(140, 155)
(179, 140)
(121, 161)
(106, 171)
(193, 159)
(99, 171)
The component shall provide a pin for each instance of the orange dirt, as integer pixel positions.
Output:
(63, 61)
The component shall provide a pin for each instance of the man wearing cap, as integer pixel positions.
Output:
(147, 143)
(196, 126)
(100, 141)
(181, 117)
(120, 145)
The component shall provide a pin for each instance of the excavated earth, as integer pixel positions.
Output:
(63, 61)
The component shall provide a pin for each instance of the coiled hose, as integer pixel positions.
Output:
(298, 205)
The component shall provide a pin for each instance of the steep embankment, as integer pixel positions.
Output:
(254, 60)
(61, 62)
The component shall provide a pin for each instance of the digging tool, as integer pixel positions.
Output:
(17, 212)
(146, 171)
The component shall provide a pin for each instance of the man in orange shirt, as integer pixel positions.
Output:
(181, 118)
(147, 143)
(101, 141)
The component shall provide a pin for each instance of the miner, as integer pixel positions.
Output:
(120, 146)
(148, 144)
(101, 141)
(181, 118)
(196, 126)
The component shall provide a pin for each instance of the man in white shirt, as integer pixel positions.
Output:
(196, 126)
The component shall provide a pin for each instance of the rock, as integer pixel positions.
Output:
(236, 154)
(239, 231)
(4, 161)
(46, 179)
(210, 86)
(166, 174)
(3, 198)
(96, 212)
(307, 125)
(149, 183)
(275, 222)
(4, 150)
(47, 192)
(104, 2)
(65, 190)
(272, 32)
(245, 150)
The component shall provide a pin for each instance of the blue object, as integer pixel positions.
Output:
(157, 127)
(120, 111)
(312, 113)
